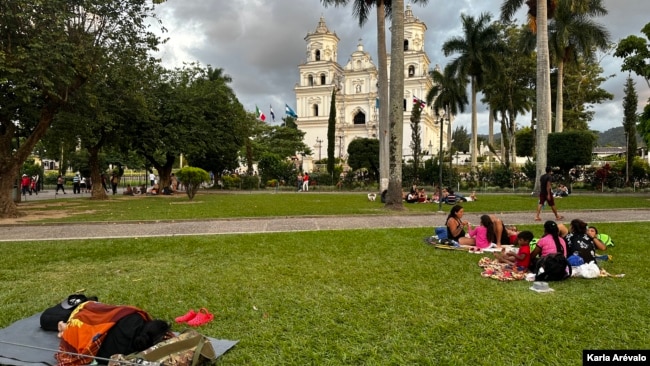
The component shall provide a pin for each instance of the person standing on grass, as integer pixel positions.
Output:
(76, 184)
(546, 194)
(115, 180)
(305, 183)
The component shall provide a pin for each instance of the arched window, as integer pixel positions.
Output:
(406, 45)
(322, 79)
(317, 55)
(315, 109)
(360, 118)
(404, 104)
(310, 80)
(411, 71)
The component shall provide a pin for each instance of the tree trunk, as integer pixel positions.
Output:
(8, 177)
(383, 128)
(11, 161)
(394, 197)
(97, 190)
(474, 147)
(543, 93)
(559, 98)
(491, 128)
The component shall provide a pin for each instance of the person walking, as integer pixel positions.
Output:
(25, 184)
(546, 194)
(59, 184)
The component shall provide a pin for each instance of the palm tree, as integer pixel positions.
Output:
(477, 51)
(448, 93)
(396, 111)
(572, 32)
(361, 10)
(538, 24)
(509, 91)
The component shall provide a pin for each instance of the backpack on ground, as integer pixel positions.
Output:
(189, 348)
(553, 267)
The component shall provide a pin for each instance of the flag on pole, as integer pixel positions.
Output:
(418, 100)
(259, 114)
(289, 112)
(272, 114)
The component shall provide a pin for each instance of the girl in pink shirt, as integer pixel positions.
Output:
(484, 234)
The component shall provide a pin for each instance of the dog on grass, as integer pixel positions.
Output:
(371, 197)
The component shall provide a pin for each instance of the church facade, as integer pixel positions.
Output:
(356, 85)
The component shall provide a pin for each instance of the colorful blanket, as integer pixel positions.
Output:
(500, 271)
(87, 328)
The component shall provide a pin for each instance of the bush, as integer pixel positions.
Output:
(231, 181)
(250, 182)
(192, 178)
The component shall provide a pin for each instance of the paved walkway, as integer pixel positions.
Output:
(72, 231)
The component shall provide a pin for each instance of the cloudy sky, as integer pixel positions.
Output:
(260, 44)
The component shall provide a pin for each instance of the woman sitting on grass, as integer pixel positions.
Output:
(456, 228)
(579, 243)
(547, 244)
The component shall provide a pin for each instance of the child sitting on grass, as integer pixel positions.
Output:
(521, 259)
(483, 234)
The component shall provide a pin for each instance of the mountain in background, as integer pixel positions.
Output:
(616, 137)
(610, 138)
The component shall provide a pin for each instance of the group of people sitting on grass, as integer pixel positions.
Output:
(561, 191)
(447, 195)
(579, 241)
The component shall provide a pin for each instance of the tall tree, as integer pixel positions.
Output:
(538, 14)
(361, 10)
(635, 52)
(194, 111)
(448, 93)
(416, 138)
(630, 119)
(35, 85)
(478, 52)
(396, 116)
(509, 91)
(573, 33)
(331, 134)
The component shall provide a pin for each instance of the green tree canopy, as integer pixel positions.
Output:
(364, 153)
(48, 51)
(635, 52)
(571, 148)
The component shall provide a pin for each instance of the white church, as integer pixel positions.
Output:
(357, 93)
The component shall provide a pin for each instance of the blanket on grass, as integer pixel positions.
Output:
(24, 343)
(500, 271)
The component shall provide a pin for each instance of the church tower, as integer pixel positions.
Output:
(357, 91)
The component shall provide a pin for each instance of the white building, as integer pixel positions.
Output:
(357, 91)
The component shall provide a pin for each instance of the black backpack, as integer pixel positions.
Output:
(51, 317)
(553, 267)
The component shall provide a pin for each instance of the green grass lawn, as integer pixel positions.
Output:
(262, 204)
(372, 297)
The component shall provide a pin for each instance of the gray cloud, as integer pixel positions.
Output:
(260, 43)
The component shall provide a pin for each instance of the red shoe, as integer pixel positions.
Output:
(187, 317)
(202, 317)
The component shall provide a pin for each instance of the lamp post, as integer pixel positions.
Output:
(442, 121)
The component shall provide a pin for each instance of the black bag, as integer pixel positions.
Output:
(60, 312)
(553, 267)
